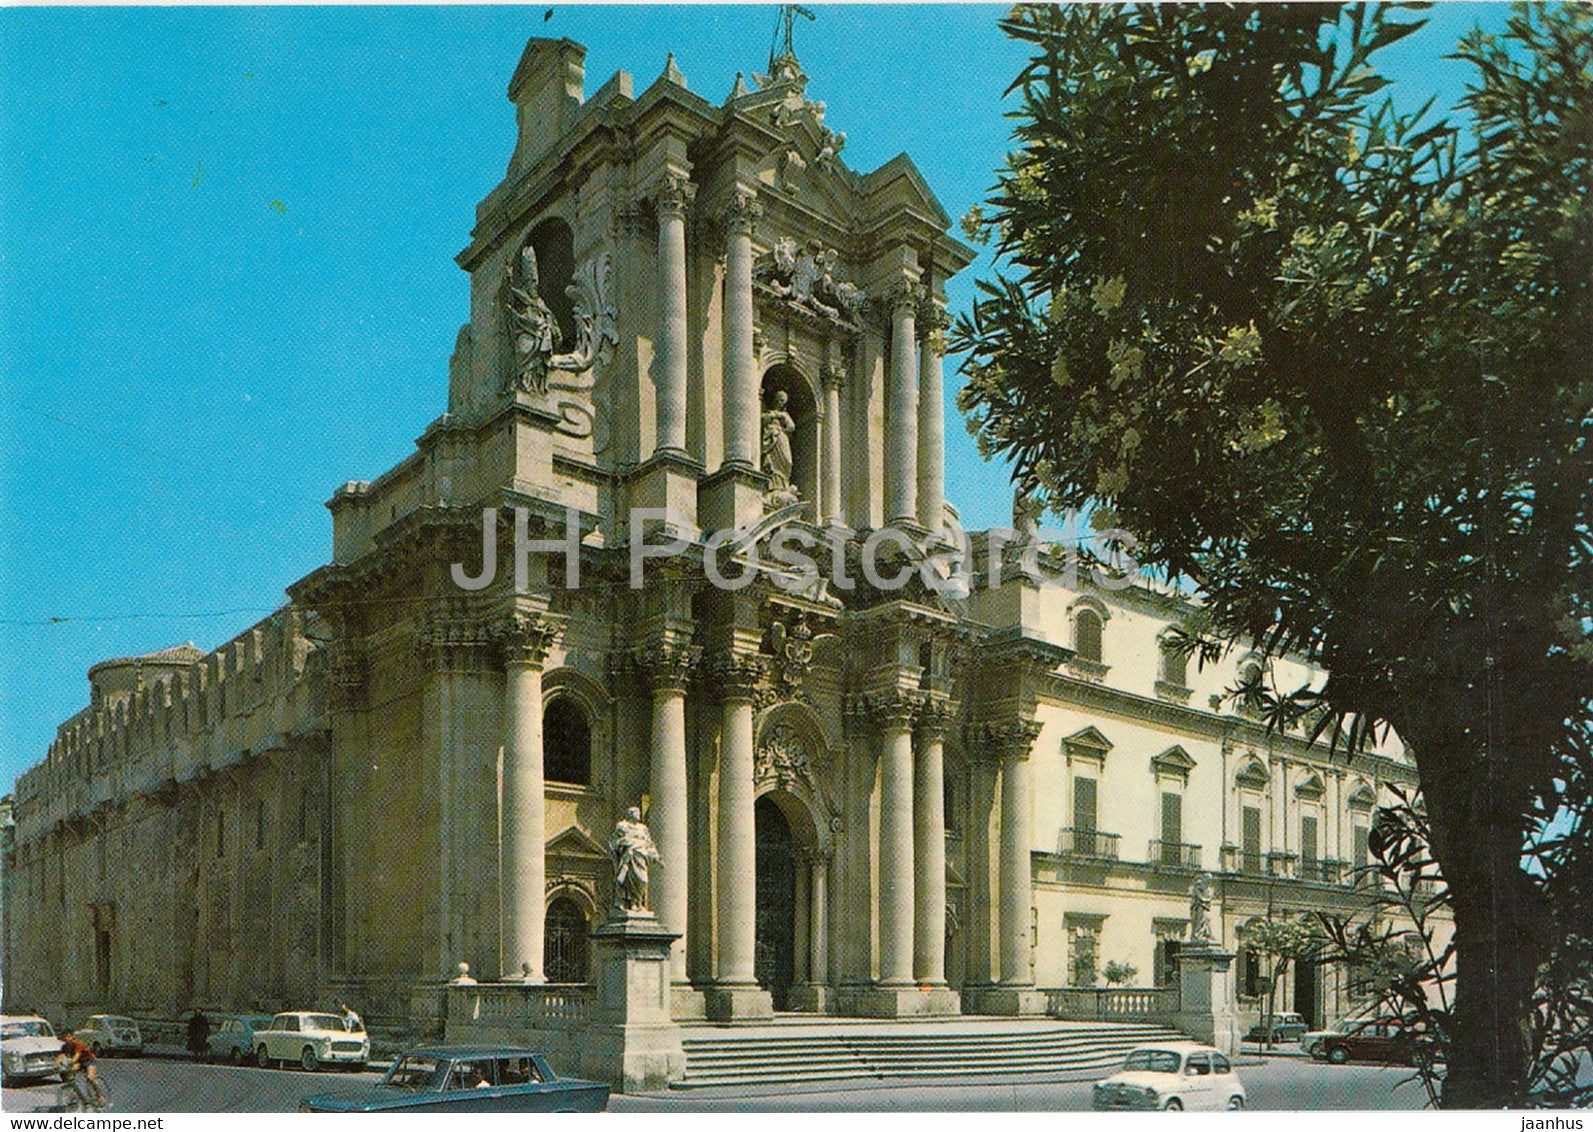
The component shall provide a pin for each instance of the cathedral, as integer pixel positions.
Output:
(880, 779)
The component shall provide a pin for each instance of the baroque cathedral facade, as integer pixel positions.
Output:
(686, 317)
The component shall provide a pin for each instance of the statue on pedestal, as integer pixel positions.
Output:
(1200, 910)
(631, 848)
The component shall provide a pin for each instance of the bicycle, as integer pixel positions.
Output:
(76, 1092)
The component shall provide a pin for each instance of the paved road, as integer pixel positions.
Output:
(152, 1085)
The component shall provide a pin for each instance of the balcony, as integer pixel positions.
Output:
(1249, 862)
(1322, 872)
(1174, 855)
(1090, 844)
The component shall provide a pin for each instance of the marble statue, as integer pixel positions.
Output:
(778, 425)
(532, 325)
(1200, 910)
(631, 848)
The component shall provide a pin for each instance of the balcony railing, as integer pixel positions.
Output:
(1174, 854)
(1323, 872)
(1090, 843)
(1237, 860)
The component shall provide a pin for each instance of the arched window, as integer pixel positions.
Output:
(566, 742)
(554, 244)
(564, 942)
(1087, 635)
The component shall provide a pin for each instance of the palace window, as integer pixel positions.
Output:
(1250, 839)
(1174, 665)
(1087, 635)
(221, 833)
(1167, 961)
(1084, 951)
(566, 742)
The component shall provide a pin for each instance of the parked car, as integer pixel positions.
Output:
(1287, 1027)
(232, 1036)
(29, 1049)
(108, 1034)
(468, 1079)
(311, 1040)
(1172, 1076)
(1385, 1040)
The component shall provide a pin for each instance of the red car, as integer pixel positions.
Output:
(1385, 1040)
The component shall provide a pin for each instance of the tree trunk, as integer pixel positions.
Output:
(1498, 949)
(1477, 820)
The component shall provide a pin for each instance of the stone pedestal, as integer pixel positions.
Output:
(1005, 1002)
(1205, 1010)
(632, 1042)
(731, 497)
(668, 479)
(811, 998)
(906, 1002)
(732, 1003)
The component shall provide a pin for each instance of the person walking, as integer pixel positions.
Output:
(199, 1035)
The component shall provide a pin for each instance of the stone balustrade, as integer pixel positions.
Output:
(538, 1005)
(1112, 1004)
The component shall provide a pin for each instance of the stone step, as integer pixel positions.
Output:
(765, 1058)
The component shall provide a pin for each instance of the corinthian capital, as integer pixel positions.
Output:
(738, 676)
(666, 665)
(742, 214)
(901, 297)
(527, 637)
(673, 195)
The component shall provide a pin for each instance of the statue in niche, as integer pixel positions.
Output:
(1200, 910)
(533, 328)
(778, 425)
(632, 850)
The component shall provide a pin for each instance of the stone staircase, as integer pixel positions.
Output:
(796, 1051)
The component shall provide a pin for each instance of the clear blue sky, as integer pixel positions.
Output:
(227, 280)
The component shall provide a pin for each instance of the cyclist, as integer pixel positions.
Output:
(80, 1068)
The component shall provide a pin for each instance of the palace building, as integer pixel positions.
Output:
(687, 317)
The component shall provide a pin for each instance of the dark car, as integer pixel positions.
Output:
(232, 1036)
(467, 1079)
(1387, 1041)
(1278, 1028)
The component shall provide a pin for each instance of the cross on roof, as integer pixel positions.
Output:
(782, 45)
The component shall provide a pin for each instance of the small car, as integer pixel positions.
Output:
(1385, 1040)
(1283, 1027)
(29, 1049)
(468, 1079)
(311, 1040)
(232, 1036)
(108, 1034)
(1172, 1076)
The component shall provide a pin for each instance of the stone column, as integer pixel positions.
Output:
(736, 993)
(819, 920)
(896, 841)
(834, 509)
(742, 410)
(929, 849)
(667, 667)
(1017, 805)
(931, 419)
(800, 914)
(669, 364)
(1015, 993)
(526, 645)
(901, 405)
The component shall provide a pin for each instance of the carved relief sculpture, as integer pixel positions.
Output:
(566, 380)
(808, 278)
(531, 323)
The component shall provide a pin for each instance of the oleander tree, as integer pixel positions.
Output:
(1329, 364)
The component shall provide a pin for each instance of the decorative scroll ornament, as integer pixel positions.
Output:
(565, 381)
(808, 278)
(783, 757)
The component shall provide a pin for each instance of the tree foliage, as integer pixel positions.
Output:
(1328, 362)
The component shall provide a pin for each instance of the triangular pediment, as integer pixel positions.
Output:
(897, 185)
(1174, 760)
(575, 843)
(1089, 740)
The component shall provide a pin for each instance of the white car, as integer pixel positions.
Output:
(29, 1049)
(311, 1041)
(111, 1033)
(1172, 1076)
